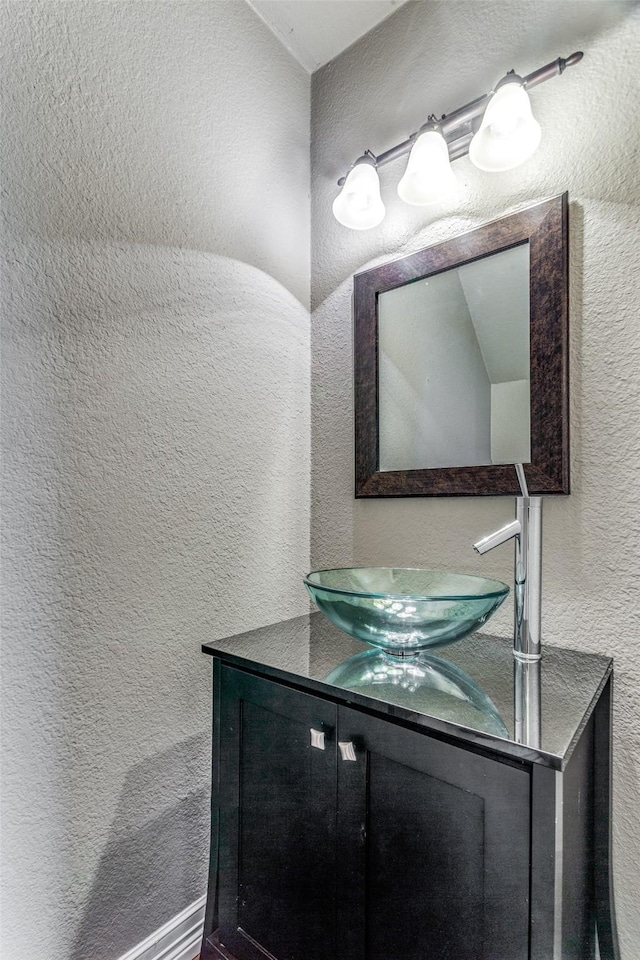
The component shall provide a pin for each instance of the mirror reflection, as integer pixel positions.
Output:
(454, 374)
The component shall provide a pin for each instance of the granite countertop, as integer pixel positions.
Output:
(465, 690)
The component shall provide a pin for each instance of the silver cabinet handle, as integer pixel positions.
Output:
(317, 739)
(347, 751)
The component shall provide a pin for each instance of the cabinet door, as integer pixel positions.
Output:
(433, 845)
(277, 821)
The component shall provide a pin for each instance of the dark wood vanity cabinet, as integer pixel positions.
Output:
(277, 832)
(433, 842)
(409, 847)
(344, 832)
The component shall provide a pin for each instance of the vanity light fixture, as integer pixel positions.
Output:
(498, 131)
(428, 177)
(359, 204)
(509, 133)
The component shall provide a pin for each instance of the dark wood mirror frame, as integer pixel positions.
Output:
(545, 228)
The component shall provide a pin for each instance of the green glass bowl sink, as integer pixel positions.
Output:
(404, 611)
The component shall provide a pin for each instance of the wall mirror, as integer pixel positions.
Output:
(461, 363)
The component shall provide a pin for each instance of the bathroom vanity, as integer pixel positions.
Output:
(400, 822)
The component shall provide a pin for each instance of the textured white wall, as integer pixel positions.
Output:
(156, 435)
(433, 57)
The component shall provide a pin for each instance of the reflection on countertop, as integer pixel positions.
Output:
(424, 684)
(479, 684)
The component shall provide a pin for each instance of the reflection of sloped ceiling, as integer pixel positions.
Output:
(497, 294)
(434, 391)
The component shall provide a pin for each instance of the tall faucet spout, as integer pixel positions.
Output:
(527, 641)
(526, 530)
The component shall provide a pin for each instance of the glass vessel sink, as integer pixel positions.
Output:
(404, 611)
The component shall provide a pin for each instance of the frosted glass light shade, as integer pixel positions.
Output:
(509, 133)
(428, 177)
(359, 205)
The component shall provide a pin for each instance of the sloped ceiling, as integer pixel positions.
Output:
(316, 31)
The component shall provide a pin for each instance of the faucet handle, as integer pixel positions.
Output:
(522, 480)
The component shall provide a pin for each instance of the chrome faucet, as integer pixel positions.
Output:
(526, 530)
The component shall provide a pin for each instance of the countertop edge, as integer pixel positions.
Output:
(506, 749)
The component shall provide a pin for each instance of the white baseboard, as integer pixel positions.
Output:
(179, 939)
